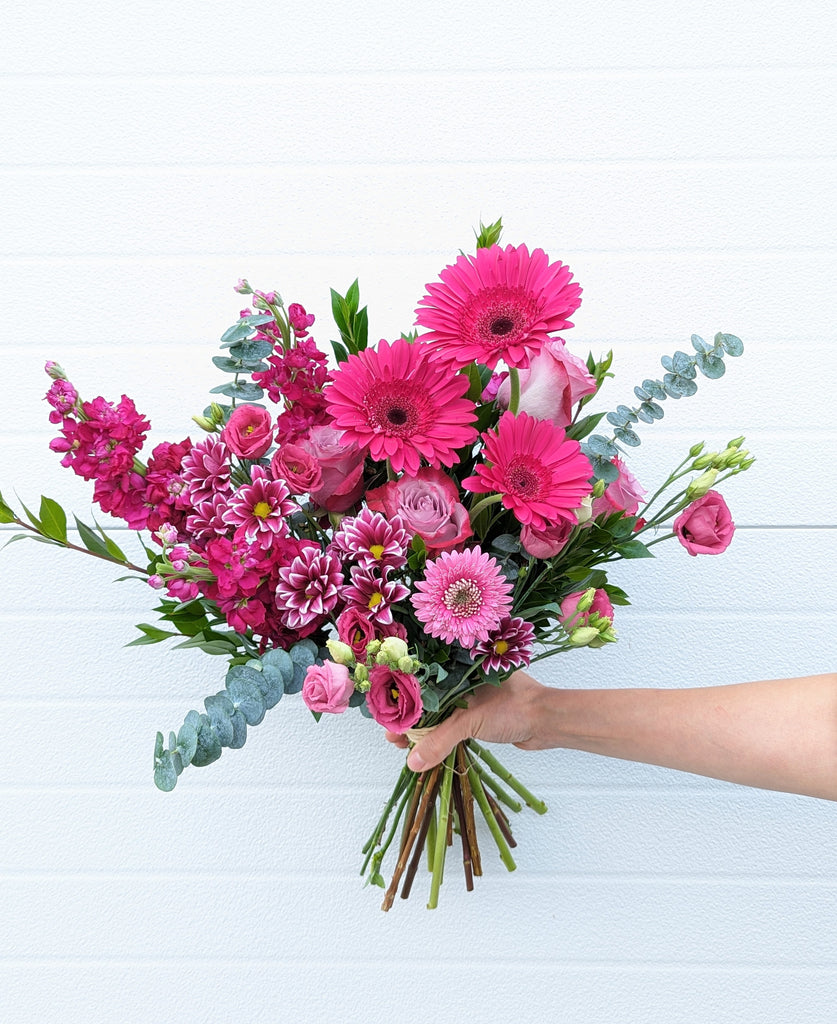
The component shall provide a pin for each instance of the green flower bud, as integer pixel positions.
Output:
(584, 636)
(372, 648)
(394, 648)
(585, 602)
(705, 460)
(217, 413)
(406, 664)
(361, 678)
(204, 424)
(697, 488)
(340, 653)
(696, 449)
(599, 488)
(736, 442)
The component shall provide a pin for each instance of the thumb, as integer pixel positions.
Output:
(436, 745)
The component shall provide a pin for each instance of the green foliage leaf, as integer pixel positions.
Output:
(634, 549)
(90, 539)
(732, 346)
(6, 514)
(165, 774)
(240, 390)
(489, 234)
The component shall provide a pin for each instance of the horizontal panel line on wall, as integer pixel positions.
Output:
(183, 169)
(729, 968)
(543, 72)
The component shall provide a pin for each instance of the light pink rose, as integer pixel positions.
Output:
(327, 687)
(546, 543)
(341, 464)
(706, 526)
(569, 608)
(249, 431)
(394, 698)
(428, 505)
(553, 385)
(622, 495)
(297, 467)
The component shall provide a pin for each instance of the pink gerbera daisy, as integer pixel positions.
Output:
(501, 304)
(463, 596)
(541, 475)
(401, 406)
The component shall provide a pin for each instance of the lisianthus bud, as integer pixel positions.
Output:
(736, 442)
(584, 512)
(406, 664)
(599, 488)
(217, 413)
(696, 449)
(361, 676)
(340, 652)
(700, 486)
(372, 648)
(583, 636)
(394, 648)
(204, 424)
(585, 603)
(705, 460)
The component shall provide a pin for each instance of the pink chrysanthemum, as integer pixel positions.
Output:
(401, 406)
(371, 539)
(463, 596)
(309, 588)
(508, 646)
(373, 591)
(206, 471)
(541, 475)
(501, 304)
(258, 510)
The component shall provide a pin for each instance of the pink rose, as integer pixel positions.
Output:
(552, 386)
(394, 698)
(428, 505)
(546, 543)
(327, 687)
(706, 526)
(569, 609)
(622, 495)
(249, 431)
(298, 468)
(341, 464)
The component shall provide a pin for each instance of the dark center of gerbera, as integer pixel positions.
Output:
(501, 325)
(525, 476)
(396, 407)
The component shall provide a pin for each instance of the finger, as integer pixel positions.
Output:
(397, 738)
(435, 747)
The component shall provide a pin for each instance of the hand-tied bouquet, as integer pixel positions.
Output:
(388, 534)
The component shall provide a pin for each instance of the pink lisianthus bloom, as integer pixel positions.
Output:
(249, 431)
(554, 383)
(327, 688)
(624, 494)
(546, 543)
(298, 468)
(394, 698)
(341, 465)
(428, 505)
(572, 618)
(706, 526)
(358, 630)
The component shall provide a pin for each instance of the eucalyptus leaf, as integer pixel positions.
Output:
(732, 346)
(165, 774)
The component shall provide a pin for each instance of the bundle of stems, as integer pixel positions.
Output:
(433, 806)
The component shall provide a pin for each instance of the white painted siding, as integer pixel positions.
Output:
(681, 160)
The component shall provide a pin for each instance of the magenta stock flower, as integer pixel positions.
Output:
(501, 304)
(540, 474)
(400, 406)
(463, 596)
(508, 646)
(309, 587)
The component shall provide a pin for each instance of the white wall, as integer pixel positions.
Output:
(681, 159)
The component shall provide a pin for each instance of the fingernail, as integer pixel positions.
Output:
(415, 762)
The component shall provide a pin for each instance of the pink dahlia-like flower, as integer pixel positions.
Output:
(309, 587)
(540, 474)
(206, 471)
(400, 406)
(258, 510)
(371, 539)
(373, 590)
(508, 646)
(463, 596)
(394, 698)
(501, 304)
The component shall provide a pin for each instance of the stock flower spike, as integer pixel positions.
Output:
(390, 529)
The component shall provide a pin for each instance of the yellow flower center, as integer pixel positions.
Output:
(375, 599)
(501, 647)
(394, 694)
(376, 550)
(261, 509)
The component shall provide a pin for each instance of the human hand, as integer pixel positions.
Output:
(497, 714)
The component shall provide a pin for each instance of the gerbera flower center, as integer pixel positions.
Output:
(525, 476)
(502, 325)
(462, 598)
(396, 407)
(499, 317)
